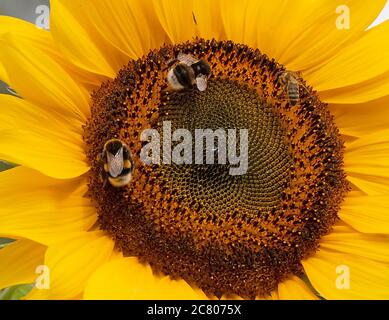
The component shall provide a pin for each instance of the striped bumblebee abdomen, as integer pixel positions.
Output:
(293, 93)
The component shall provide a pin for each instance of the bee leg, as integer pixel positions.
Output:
(305, 88)
(278, 74)
(283, 93)
(100, 157)
(103, 177)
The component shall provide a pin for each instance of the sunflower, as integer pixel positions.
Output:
(308, 219)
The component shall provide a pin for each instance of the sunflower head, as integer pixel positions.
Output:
(226, 234)
(282, 167)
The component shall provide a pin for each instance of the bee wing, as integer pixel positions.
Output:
(170, 63)
(201, 82)
(115, 163)
(187, 59)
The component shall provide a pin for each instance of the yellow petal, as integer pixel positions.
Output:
(71, 263)
(367, 213)
(39, 139)
(176, 18)
(38, 77)
(73, 40)
(327, 271)
(302, 34)
(295, 289)
(235, 14)
(3, 73)
(43, 40)
(116, 254)
(209, 24)
(363, 92)
(126, 278)
(18, 262)
(364, 59)
(361, 119)
(317, 38)
(370, 185)
(346, 240)
(368, 156)
(101, 37)
(133, 32)
(40, 208)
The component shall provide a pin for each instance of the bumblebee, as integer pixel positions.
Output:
(117, 163)
(188, 72)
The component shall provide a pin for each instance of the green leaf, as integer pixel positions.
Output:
(5, 165)
(5, 241)
(15, 292)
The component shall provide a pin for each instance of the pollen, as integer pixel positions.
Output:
(227, 235)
